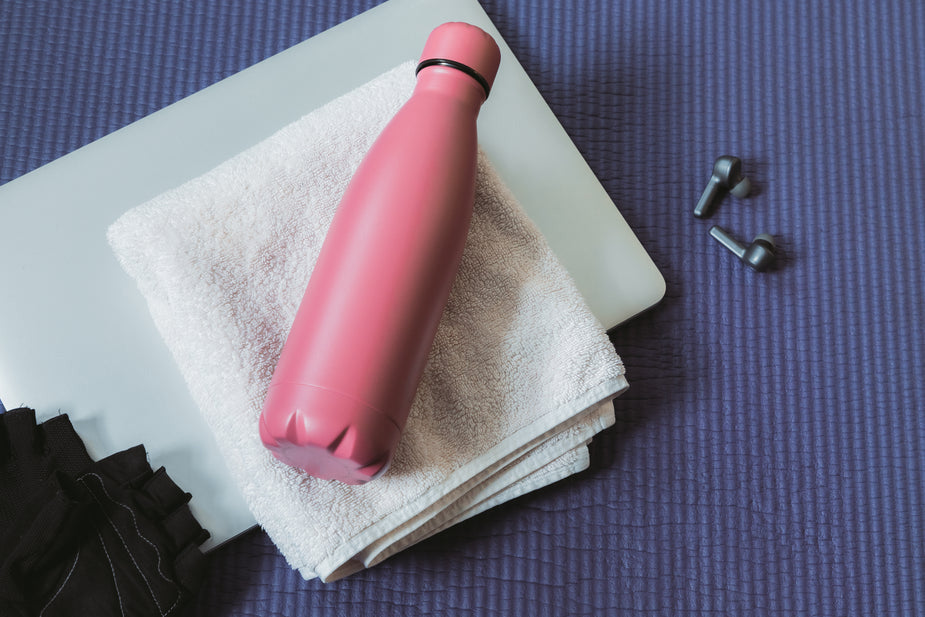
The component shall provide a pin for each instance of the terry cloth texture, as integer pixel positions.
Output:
(519, 379)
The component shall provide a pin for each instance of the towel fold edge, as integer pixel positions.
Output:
(469, 475)
(508, 482)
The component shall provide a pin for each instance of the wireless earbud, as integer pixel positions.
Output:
(727, 175)
(759, 255)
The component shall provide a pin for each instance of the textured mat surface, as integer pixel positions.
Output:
(769, 457)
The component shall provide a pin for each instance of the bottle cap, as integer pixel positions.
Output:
(457, 43)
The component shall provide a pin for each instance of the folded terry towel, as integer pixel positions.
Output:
(520, 377)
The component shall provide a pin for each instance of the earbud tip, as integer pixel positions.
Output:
(743, 188)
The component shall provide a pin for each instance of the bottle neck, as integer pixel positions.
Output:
(449, 81)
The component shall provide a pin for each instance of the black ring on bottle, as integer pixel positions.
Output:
(468, 70)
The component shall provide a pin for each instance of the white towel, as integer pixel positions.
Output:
(519, 379)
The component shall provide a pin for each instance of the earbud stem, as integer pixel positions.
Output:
(728, 241)
(705, 205)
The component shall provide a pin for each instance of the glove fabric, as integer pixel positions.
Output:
(78, 537)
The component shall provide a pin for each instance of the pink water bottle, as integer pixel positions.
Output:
(348, 373)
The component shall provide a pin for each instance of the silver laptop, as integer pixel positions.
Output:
(75, 334)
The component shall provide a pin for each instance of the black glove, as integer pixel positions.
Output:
(112, 537)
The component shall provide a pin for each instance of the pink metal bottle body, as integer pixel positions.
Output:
(350, 367)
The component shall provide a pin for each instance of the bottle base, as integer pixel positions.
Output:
(327, 434)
